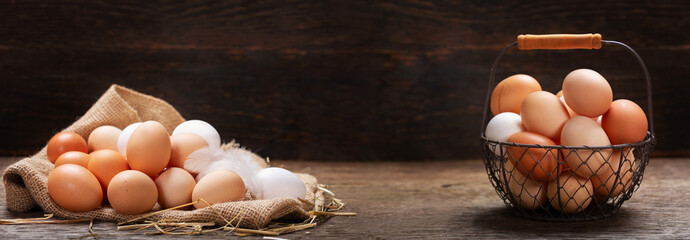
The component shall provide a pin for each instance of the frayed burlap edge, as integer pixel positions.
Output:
(26, 180)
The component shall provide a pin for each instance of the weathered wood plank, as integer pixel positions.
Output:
(444, 200)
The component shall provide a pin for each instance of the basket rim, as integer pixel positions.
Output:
(649, 138)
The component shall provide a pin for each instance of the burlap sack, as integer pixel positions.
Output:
(26, 180)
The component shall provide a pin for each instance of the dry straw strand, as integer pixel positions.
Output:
(157, 212)
(327, 207)
(44, 220)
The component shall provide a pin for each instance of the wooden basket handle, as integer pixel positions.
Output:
(559, 41)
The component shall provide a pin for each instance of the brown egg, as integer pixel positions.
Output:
(587, 93)
(148, 149)
(528, 193)
(570, 110)
(543, 113)
(74, 157)
(625, 122)
(132, 192)
(509, 93)
(105, 164)
(74, 188)
(217, 187)
(539, 164)
(615, 177)
(573, 113)
(559, 94)
(570, 194)
(64, 142)
(103, 137)
(182, 145)
(175, 186)
(583, 131)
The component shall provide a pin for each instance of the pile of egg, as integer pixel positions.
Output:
(583, 113)
(135, 168)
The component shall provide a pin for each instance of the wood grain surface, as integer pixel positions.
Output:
(439, 200)
(325, 80)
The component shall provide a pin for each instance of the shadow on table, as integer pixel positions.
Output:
(503, 221)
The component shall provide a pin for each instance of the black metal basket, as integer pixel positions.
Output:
(624, 168)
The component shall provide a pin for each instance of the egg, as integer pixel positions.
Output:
(615, 177)
(527, 193)
(217, 187)
(538, 163)
(570, 111)
(104, 137)
(573, 113)
(148, 149)
(64, 142)
(175, 186)
(625, 122)
(276, 182)
(583, 131)
(570, 194)
(123, 139)
(543, 113)
(509, 93)
(201, 128)
(587, 92)
(74, 157)
(132, 192)
(559, 94)
(74, 188)
(182, 145)
(501, 126)
(105, 164)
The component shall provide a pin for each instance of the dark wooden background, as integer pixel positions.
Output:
(326, 80)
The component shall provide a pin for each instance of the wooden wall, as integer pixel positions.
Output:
(326, 80)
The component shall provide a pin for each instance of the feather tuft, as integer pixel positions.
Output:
(199, 160)
(238, 160)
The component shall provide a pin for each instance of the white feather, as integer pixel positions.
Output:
(200, 159)
(238, 160)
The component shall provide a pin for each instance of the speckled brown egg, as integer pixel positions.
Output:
(105, 164)
(74, 188)
(132, 192)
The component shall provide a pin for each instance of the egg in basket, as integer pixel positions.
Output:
(571, 156)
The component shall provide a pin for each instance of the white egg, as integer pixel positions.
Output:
(123, 139)
(276, 182)
(503, 125)
(200, 128)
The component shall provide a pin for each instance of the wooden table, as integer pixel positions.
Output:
(440, 199)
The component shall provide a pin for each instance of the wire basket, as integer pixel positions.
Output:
(579, 199)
